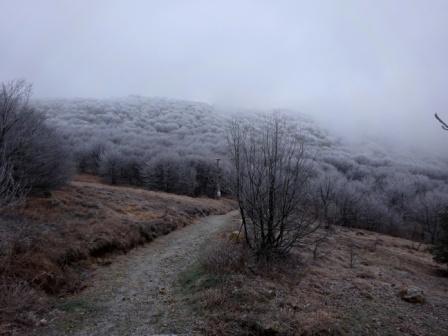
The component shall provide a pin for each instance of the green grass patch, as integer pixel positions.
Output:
(76, 310)
(196, 278)
(75, 305)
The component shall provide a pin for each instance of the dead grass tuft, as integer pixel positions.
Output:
(20, 304)
(227, 257)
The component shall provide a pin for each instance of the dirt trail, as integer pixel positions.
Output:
(134, 295)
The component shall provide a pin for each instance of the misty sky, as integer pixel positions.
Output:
(376, 67)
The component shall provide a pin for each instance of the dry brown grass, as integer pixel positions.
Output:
(20, 305)
(48, 243)
(322, 296)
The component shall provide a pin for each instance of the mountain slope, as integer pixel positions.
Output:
(171, 145)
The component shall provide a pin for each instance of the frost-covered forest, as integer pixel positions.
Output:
(171, 145)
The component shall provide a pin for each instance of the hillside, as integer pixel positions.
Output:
(144, 127)
(171, 145)
(138, 126)
(51, 242)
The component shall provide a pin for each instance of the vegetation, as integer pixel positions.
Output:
(440, 249)
(171, 145)
(159, 144)
(33, 156)
(47, 244)
(231, 293)
(271, 185)
(288, 175)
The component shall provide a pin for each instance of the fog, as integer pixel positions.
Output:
(365, 68)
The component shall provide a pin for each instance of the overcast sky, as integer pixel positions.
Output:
(375, 66)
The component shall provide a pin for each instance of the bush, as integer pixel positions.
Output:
(33, 156)
(440, 249)
(192, 175)
(89, 158)
(272, 179)
(226, 257)
(19, 304)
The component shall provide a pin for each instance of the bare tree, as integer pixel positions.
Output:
(427, 210)
(271, 184)
(13, 96)
(32, 155)
(442, 123)
(324, 199)
(11, 191)
(89, 157)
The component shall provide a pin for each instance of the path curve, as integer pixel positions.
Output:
(134, 295)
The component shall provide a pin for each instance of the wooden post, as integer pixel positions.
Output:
(218, 187)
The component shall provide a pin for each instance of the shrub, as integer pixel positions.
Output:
(33, 156)
(18, 305)
(89, 157)
(440, 249)
(191, 175)
(226, 257)
(272, 185)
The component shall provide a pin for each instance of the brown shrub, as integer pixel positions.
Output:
(226, 257)
(20, 306)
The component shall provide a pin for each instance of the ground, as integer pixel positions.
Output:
(50, 244)
(196, 277)
(135, 294)
(352, 287)
(166, 287)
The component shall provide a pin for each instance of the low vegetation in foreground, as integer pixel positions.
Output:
(355, 283)
(48, 244)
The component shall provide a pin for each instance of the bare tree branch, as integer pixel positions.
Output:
(443, 124)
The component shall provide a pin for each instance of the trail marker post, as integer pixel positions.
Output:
(218, 186)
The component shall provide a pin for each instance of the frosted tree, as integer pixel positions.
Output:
(32, 154)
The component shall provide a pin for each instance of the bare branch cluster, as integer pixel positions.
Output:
(31, 154)
(271, 184)
(442, 123)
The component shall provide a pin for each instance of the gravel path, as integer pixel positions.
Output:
(134, 295)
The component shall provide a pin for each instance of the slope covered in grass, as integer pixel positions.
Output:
(48, 245)
(352, 286)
